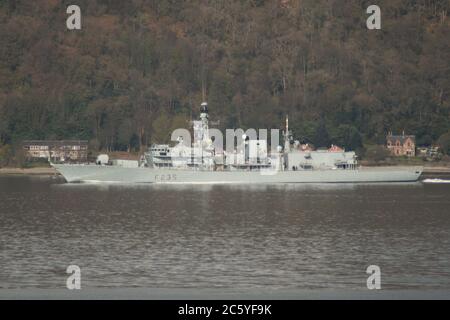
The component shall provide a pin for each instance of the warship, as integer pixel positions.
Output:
(204, 162)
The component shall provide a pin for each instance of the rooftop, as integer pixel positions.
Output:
(401, 138)
(55, 142)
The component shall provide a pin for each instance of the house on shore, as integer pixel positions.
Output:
(429, 153)
(335, 148)
(401, 145)
(57, 150)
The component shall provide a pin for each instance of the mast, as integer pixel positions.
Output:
(204, 118)
(287, 145)
(205, 128)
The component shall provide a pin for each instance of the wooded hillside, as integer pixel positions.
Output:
(136, 69)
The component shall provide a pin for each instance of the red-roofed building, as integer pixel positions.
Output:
(334, 148)
(401, 145)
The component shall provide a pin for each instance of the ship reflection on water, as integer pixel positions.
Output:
(204, 187)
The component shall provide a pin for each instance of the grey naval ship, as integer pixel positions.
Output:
(202, 162)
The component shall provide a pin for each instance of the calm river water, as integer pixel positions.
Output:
(265, 237)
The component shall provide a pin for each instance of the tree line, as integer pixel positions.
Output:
(139, 69)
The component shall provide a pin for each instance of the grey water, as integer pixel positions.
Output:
(269, 237)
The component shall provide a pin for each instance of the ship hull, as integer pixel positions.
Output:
(114, 174)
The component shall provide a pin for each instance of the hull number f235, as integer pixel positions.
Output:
(165, 177)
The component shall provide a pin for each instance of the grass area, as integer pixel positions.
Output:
(36, 164)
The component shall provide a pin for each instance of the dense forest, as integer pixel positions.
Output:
(140, 68)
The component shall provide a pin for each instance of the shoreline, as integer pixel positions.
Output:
(44, 171)
(436, 170)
